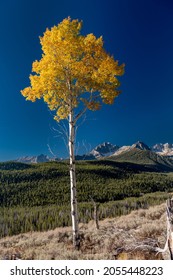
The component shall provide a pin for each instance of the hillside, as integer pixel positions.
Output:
(48, 183)
(37, 196)
(146, 158)
(118, 238)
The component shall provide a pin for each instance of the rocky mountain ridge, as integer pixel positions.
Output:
(107, 149)
(35, 159)
(160, 149)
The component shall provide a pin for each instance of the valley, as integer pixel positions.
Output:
(36, 197)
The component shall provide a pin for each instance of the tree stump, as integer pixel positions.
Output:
(96, 216)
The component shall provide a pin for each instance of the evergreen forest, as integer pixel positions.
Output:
(36, 197)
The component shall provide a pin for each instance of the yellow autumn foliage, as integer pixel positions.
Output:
(74, 69)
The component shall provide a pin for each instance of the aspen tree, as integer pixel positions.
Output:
(74, 74)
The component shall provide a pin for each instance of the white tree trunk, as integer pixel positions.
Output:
(74, 212)
(167, 251)
(169, 205)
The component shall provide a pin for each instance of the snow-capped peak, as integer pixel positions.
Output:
(121, 150)
(140, 145)
(35, 159)
(104, 149)
(163, 149)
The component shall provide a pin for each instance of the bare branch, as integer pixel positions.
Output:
(77, 148)
(77, 126)
(82, 112)
(62, 132)
(50, 150)
(84, 145)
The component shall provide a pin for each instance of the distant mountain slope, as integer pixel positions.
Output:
(138, 145)
(163, 149)
(35, 159)
(144, 157)
(104, 149)
(107, 149)
(122, 150)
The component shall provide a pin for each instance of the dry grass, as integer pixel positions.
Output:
(117, 238)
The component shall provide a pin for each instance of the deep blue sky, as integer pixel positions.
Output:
(138, 33)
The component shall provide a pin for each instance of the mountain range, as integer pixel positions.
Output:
(140, 156)
(108, 150)
(35, 159)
